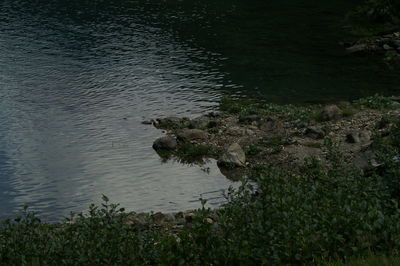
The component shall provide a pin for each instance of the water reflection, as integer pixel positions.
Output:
(72, 99)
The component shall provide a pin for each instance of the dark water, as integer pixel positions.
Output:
(78, 77)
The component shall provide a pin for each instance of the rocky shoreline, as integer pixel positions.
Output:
(386, 45)
(283, 138)
(244, 135)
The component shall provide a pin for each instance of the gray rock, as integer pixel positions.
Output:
(358, 137)
(365, 161)
(272, 126)
(234, 155)
(249, 118)
(214, 114)
(192, 134)
(331, 112)
(387, 47)
(314, 133)
(168, 122)
(363, 48)
(165, 143)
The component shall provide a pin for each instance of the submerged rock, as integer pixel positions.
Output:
(165, 143)
(233, 155)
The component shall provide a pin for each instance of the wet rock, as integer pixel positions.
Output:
(192, 134)
(249, 118)
(358, 137)
(165, 143)
(331, 112)
(168, 122)
(314, 133)
(233, 156)
(214, 114)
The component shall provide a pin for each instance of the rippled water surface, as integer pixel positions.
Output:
(78, 77)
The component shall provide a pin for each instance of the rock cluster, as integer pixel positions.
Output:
(246, 141)
(388, 45)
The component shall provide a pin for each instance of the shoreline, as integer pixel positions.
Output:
(246, 134)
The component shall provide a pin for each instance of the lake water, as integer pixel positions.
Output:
(78, 77)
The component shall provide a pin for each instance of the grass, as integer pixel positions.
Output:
(191, 153)
(371, 260)
(377, 102)
(243, 107)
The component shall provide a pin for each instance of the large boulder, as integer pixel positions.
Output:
(233, 156)
(331, 112)
(192, 134)
(165, 143)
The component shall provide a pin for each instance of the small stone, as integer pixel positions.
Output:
(214, 114)
(165, 143)
(314, 133)
(331, 112)
(234, 155)
(387, 47)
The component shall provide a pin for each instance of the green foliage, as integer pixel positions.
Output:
(370, 260)
(246, 106)
(191, 153)
(375, 16)
(375, 102)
